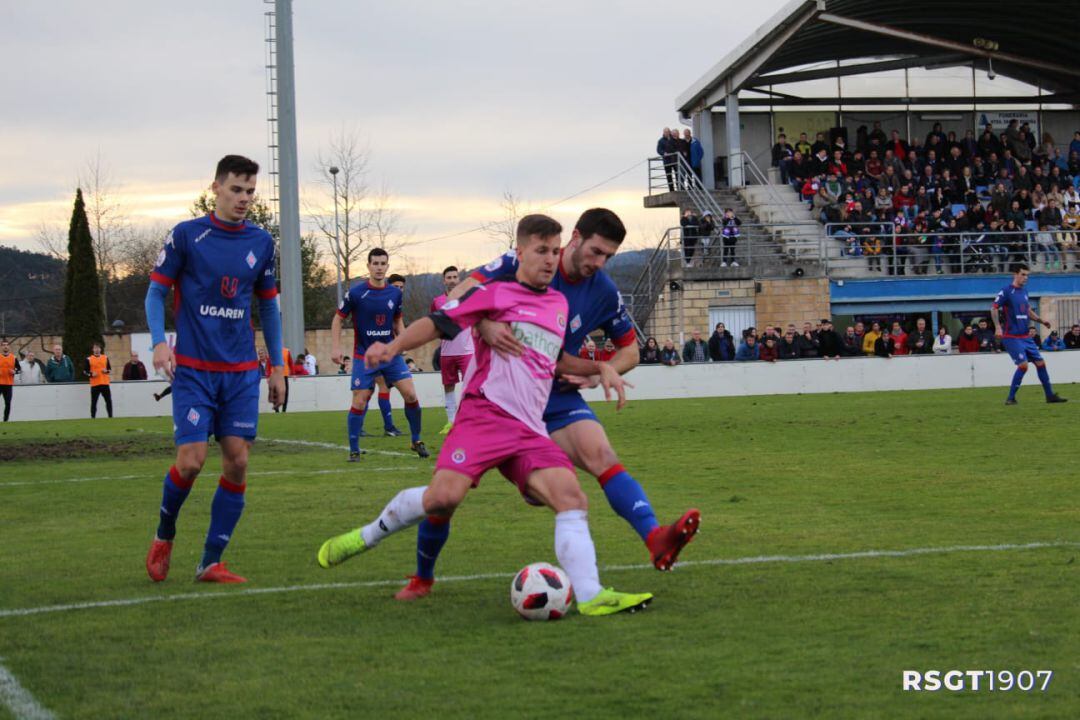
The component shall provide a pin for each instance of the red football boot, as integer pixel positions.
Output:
(417, 588)
(218, 573)
(667, 541)
(157, 560)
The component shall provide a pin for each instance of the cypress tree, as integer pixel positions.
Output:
(83, 315)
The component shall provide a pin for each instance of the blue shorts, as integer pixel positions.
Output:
(392, 372)
(222, 403)
(1021, 350)
(566, 408)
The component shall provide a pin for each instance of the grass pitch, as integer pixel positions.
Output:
(793, 637)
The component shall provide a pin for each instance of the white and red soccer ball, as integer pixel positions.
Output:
(541, 591)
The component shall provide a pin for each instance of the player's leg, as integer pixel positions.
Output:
(557, 487)
(362, 384)
(1036, 357)
(448, 368)
(446, 491)
(1016, 351)
(398, 374)
(385, 408)
(225, 509)
(581, 436)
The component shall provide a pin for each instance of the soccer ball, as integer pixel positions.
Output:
(541, 591)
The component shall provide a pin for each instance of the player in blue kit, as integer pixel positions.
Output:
(1012, 312)
(594, 303)
(214, 264)
(375, 308)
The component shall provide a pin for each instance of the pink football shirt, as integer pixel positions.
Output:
(462, 344)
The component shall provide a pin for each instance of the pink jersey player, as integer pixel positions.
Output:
(454, 355)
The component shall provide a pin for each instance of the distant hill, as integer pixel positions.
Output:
(31, 292)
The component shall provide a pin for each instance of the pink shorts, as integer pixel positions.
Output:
(485, 436)
(453, 368)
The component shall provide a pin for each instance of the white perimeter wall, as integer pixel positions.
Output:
(331, 392)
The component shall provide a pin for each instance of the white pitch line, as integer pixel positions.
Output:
(18, 699)
(332, 446)
(757, 559)
(257, 473)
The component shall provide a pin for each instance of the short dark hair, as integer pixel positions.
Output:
(449, 269)
(537, 224)
(377, 252)
(602, 222)
(1019, 267)
(238, 165)
(390, 280)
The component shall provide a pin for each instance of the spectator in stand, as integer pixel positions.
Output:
(808, 342)
(588, 350)
(9, 368)
(298, 368)
(767, 350)
(311, 365)
(697, 152)
(899, 340)
(133, 369)
(264, 363)
(968, 342)
(1068, 238)
(1072, 338)
(943, 341)
(789, 348)
(607, 352)
(706, 230)
(650, 354)
(852, 343)
(99, 370)
(1053, 343)
(921, 340)
(802, 145)
(669, 355)
(1033, 336)
(767, 332)
(830, 344)
(343, 368)
(883, 345)
(871, 338)
(860, 331)
(695, 350)
(667, 149)
(31, 370)
(682, 145)
(1050, 222)
(721, 345)
(748, 350)
(782, 153)
(690, 231)
(985, 336)
(59, 368)
(729, 231)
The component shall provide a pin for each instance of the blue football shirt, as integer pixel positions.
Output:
(373, 311)
(1012, 302)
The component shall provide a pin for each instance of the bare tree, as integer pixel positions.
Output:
(366, 216)
(52, 240)
(108, 223)
(504, 230)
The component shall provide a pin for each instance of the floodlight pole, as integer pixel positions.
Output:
(337, 237)
(292, 285)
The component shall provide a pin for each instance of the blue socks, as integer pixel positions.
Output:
(1044, 378)
(430, 537)
(627, 498)
(225, 512)
(384, 408)
(1018, 377)
(355, 424)
(173, 496)
(412, 414)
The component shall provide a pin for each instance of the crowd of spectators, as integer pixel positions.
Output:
(823, 341)
(943, 203)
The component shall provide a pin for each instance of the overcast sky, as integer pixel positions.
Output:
(457, 101)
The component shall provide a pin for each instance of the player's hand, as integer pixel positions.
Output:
(377, 354)
(1046, 324)
(500, 338)
(611, 380)
(580, 382)
(276, 381)
(164, 360)
(337, 357)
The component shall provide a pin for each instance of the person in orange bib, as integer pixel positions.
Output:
(9, 368)
(98, 370)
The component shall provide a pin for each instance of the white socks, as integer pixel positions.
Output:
(405, 510)
(451, 407)
(576, 553)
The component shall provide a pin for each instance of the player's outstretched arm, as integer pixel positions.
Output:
(418, 333)
(164, 360)
(589, 373)
(270, 316)
(626, 358)
(463, 287)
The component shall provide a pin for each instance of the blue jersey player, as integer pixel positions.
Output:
(1012, 311)
(375, 309)
(594, 304)
(214, 264)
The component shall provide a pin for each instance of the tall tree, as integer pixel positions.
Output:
(83, 315)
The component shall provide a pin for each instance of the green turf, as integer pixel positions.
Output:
(772, 476)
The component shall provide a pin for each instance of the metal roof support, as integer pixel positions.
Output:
(703, 130)
(734, 141)
(932, 41)
(860, 69)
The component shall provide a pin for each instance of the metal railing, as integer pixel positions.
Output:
(876, 247)
(642, 299)
(672, 173)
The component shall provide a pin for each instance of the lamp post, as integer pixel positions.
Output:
(337, 238)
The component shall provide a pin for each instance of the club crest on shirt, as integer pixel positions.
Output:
(561, 320)
(458, 456)
(390, 304)
(250, 259)
(193, 416)
(575, 324)
(380, 319)
(450, 305)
